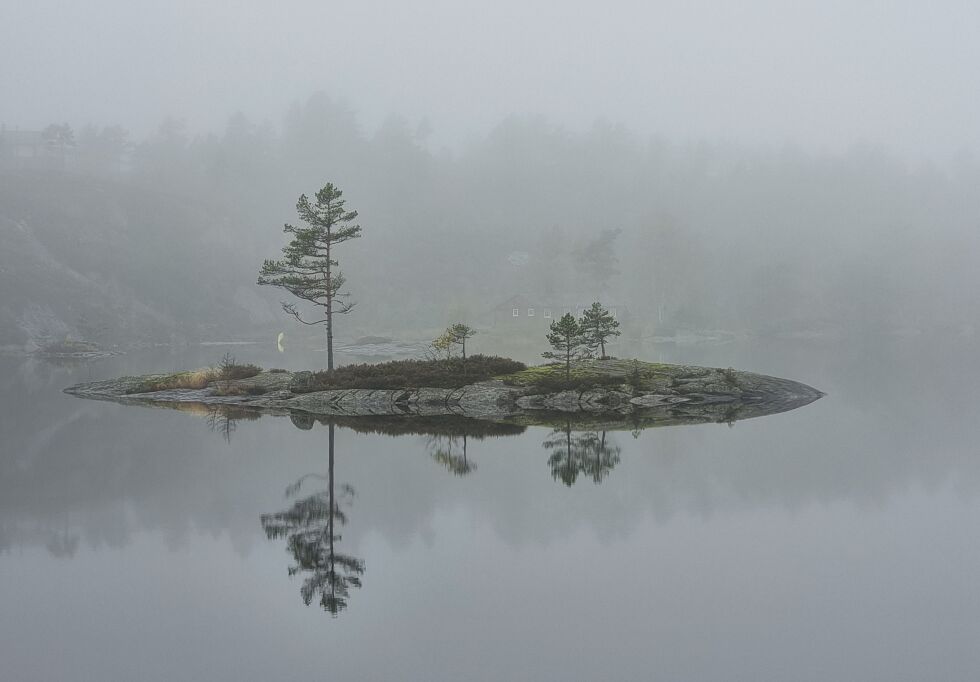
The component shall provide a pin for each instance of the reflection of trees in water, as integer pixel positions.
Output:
(63, 543)
(600, 456)
(565, 455)
(57, 537)
(450, 451)
(220, 422)
(223, 419)
(586, 452)
(310, 527)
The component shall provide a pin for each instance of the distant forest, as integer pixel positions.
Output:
(163, 236)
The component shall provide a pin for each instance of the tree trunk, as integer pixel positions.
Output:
(568, 445)
(330, 527)
(329, 307)
(329, 335)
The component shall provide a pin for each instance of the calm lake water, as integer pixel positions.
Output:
(838, 541)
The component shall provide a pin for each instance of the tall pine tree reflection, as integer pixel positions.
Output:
(311, 525)
(311, 528)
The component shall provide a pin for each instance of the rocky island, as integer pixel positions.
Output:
(624, 393)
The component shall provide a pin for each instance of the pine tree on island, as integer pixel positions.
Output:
(567, 343)
(459, 332)
(598, 326)
(309, 269)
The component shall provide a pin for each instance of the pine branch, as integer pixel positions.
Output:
(291, 309)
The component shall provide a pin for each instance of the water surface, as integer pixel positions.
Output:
(836, 541)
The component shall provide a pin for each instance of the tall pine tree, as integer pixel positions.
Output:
(309, 269)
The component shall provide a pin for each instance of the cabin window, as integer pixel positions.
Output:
(516, 312)
(547, 313)
(530, 312)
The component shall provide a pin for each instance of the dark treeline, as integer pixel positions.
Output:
(700, 236)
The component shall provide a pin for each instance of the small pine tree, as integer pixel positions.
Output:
(459, 332)
(598, 325)
(442, 346)
(567, 342)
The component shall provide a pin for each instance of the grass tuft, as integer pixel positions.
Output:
(229, 369)
(198, 378)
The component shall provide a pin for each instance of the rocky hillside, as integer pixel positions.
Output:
(103, 261)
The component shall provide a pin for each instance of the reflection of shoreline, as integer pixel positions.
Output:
(117, 475)
(452, 425)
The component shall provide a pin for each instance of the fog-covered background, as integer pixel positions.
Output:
(792, 169)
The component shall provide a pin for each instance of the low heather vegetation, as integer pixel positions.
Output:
(551, 378)
(451, 373)
(229, 369)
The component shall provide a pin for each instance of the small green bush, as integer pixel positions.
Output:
(229, 369)
(730, 376)
(635, 379)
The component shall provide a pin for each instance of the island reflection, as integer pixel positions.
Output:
(311, 525)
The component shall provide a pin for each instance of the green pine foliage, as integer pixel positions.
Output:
(309, 269)
(458, 333)
(567, 342)
(598, 326)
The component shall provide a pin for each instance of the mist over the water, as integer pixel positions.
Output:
(761, 194)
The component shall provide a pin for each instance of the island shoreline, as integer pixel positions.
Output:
(674, 394)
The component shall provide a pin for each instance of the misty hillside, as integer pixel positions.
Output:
(160, 239)
(100, 260)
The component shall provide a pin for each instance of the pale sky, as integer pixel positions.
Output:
(819, 75)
